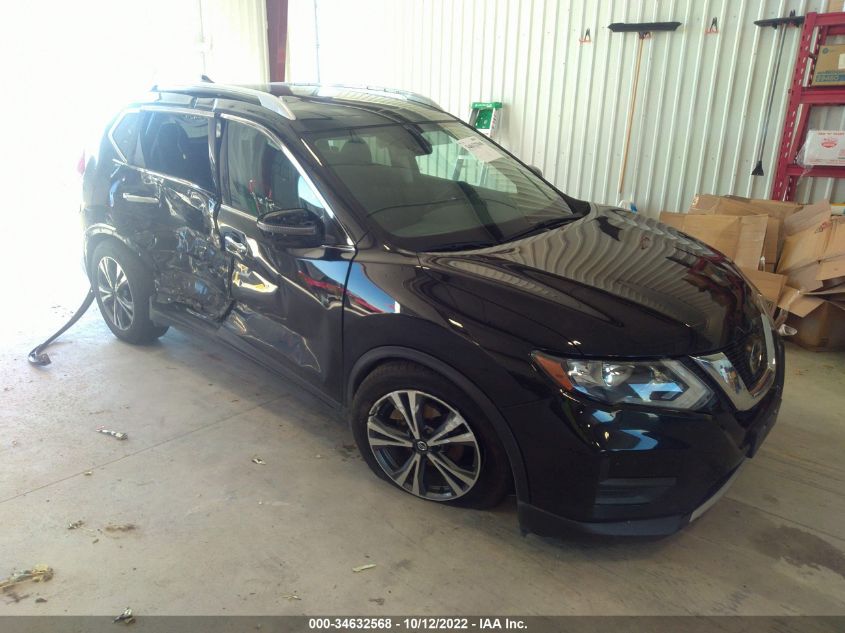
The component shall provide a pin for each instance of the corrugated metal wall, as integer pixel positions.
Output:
(699, 103)
(234, 40)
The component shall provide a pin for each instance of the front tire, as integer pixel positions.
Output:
(421, 433)
(123, 287)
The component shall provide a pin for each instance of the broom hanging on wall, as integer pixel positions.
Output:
(644, 30)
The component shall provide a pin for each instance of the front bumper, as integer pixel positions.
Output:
(633, 472)
(533, 519)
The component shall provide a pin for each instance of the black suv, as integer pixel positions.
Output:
(482, 331)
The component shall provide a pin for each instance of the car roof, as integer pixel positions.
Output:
(307, 107)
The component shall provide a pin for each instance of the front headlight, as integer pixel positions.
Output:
(662, 383)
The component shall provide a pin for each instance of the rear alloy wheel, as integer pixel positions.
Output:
(123, 286)
(115, 294)
(424, 445)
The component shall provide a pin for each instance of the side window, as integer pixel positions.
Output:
(125, 136)
(260, 177)
(177, 145)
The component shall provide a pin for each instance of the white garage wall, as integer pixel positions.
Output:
(699, 102)
(234, 40)
(68, 67)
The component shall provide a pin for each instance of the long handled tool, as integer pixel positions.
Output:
(643, 37)
(778, 24)
(643, 30)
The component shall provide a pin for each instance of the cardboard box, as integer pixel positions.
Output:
(809, 216)
(774, 208)
(805, 278)
(835, 246)
(823, 147)
(739, 237)
(731, 205)
(770, 285)
(830, 269)
(804, 248)
(833, 293)
(823, 328)
(830, 66)
(795, 302)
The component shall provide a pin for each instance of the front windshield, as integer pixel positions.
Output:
(438, 186)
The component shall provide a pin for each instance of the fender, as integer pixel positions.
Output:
(367, 360)
(101, 229)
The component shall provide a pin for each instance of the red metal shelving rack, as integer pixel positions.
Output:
(802, 98)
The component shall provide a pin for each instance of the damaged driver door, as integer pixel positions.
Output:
(287, 293)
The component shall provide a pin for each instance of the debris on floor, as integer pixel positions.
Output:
(39, 573)
(13, 596)
(258, 460)
(378, 601)
(41, 599)
(126, 617)
(75, 525)
(116, 434)
(88, 473)
(291, 596)
(123, 527)
(363, 567)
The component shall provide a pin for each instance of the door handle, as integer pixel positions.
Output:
(131, 197)
(233, 246)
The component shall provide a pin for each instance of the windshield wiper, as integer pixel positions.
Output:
(544, 225)
(462, 246)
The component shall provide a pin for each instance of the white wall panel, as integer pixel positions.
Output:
(699, 102)
(234, 45)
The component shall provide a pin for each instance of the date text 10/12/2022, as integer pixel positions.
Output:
(418, 623)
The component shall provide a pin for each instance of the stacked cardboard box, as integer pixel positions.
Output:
(794, 254)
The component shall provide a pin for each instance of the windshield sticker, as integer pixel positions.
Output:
(478, 148)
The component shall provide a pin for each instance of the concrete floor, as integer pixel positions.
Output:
(218, 534)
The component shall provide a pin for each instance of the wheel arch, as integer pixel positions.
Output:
(368, 361)
(96, 234)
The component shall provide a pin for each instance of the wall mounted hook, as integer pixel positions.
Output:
(713, 29)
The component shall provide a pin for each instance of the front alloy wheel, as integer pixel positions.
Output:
(424, 445)
(115, 293)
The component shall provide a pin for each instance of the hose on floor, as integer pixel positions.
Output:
(37, 356)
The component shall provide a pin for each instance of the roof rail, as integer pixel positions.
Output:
(394, 93)
(264, 99)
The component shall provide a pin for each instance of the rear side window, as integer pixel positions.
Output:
(177, 145)
(124, 136)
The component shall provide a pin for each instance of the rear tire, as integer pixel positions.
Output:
(445, 451)
(123, 287)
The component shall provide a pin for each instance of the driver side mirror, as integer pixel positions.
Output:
(293, 227)
(536, 170)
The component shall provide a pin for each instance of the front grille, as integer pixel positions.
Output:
(740, 355)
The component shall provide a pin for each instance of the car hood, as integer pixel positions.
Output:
(608, 284)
